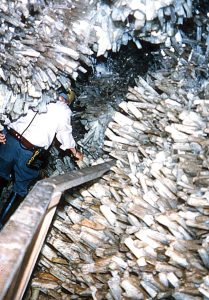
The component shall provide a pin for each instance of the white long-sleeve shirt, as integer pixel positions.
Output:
(41, 132)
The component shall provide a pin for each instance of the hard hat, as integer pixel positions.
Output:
(69, 96)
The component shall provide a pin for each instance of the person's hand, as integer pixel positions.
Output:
(2, 138)
(78, 155)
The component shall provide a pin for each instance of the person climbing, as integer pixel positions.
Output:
(23, 142)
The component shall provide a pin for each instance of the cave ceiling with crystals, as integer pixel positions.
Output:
(45, 45)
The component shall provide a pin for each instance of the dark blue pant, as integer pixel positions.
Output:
(13, 158)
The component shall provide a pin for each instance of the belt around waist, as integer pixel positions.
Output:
(22, 140)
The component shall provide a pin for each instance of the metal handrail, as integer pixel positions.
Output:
(22, 237)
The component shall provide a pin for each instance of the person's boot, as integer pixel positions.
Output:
(9, 207)
(3, 184)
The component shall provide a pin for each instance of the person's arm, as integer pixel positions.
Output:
(65, 137)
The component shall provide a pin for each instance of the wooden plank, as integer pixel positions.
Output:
(77, 177)
(22, 237)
